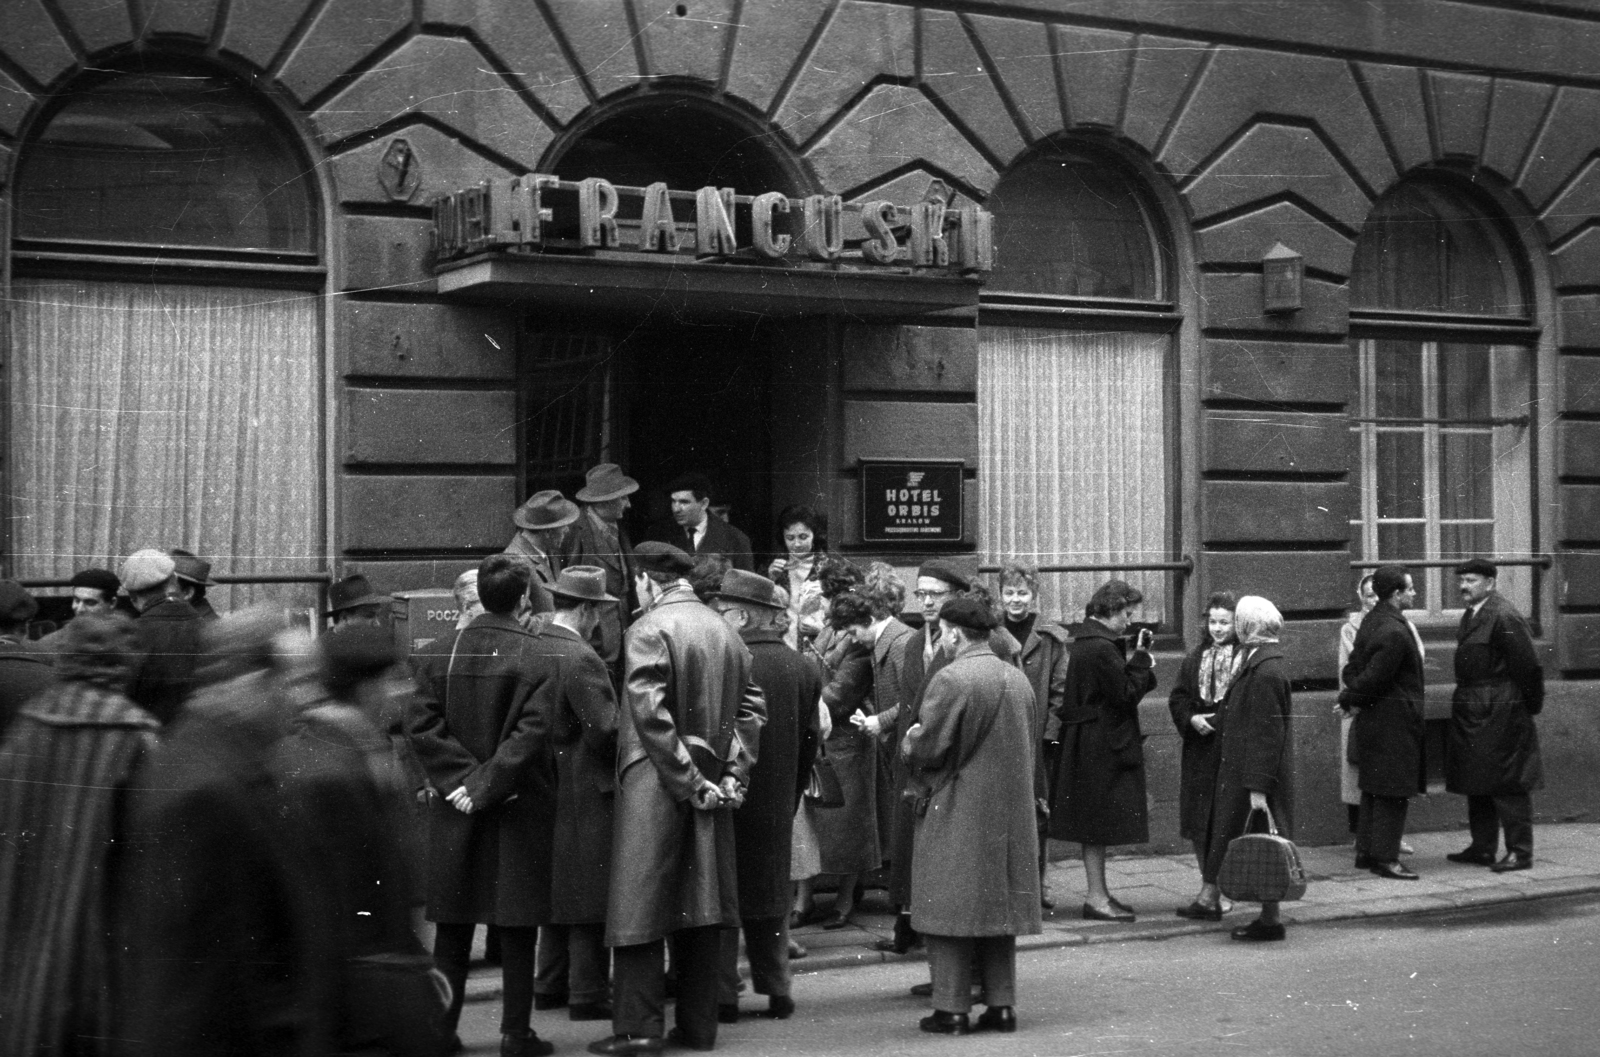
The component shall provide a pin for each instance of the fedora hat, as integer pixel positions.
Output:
(606, 481)
(581, 583)
(352, 591)
(741, 586)
(196, 571)
(548, 509)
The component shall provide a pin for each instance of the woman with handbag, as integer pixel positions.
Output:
(1195, 702)
(1251, 725)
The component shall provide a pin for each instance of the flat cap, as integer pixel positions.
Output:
(1477, 567)
(146, 569)
(663, 558)
(946, 570)
(16, 604)
(966, 613)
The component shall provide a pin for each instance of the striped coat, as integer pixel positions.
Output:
(64, 766)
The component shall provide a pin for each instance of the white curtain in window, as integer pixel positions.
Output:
(1072, 458)
(166, 415)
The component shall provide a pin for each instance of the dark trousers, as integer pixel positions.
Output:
(452, 947)
(639, 985)
(573, 961)
(1487, 815)
(1382, 823)
(953, 961)
(766, 944)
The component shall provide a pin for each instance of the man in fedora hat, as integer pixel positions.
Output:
(791, 684)
(689, 731)
(168, 630)
(542, 524)
(599, 538)
(194, 576)
(352, 600)
(574, 968)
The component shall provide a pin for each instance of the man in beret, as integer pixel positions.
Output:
(791, 684)
(542, 523)
(599, 538)
(25, 670)
(975, 882)
(698, 531)
(1492, 752)
(168, 631)
(94, 591)
(1383, 686)
(689, 734)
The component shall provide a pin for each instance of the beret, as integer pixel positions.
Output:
(146, 569)
(946, 570)
(1478, 567)
(16, 604)
(1388, 579)
(99, 579)
(966, 613)
(663, 558)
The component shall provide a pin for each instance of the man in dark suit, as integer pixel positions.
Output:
(698, 530)
(1492, 753)
(599, 538)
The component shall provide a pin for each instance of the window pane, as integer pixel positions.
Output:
(1464, 390)
(1399, 475)
(1071, 226)
(1465, 541)
(165, 159)
(1397, 370)
(1425, 248)
(1466, 475)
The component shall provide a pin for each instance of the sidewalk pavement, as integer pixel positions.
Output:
(1566, 861)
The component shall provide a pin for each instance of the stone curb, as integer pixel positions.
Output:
(484, 986)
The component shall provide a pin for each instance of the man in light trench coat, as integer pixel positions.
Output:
(688, 735)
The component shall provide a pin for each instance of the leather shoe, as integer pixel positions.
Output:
(1091, 914)
(556, 1001)
(678, 1037)
(728, 1013)
(905, 937)
(1258, 932)
(524, 1044)
(1118, 905)
(922, 990)
(1472, 857)
(621, 1045)
(1394, 871)
(779, 1007)
(996, 1018)
(1198, 911)
(588, 1011)
(1513, 861)
(942, 1023)
(834, 922)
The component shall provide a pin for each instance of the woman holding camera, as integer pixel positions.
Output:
(1099, 791)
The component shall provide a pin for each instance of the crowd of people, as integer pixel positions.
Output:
(219, 833)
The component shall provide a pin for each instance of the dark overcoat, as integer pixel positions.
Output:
(1383, 685)
(1493, 745)
(1099, 791)
(25, 670)
(688, 681)
(590, 543)
(1251, 734)
(582, 709)
(888, 679)
(1043, 657)
(847, 836)
(477, 721)
(1198, 760)
(168, 635)
(763, 827)
(975, 868)
(720, 538)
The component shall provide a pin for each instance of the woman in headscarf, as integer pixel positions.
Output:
(1202, 684)
(1251, 724)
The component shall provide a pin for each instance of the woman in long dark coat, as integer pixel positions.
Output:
(1250, 735)
(1194, 702)
(1099, 797)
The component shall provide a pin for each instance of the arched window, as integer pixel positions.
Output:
(1073, 394)
(166, 389)
(1444, 362)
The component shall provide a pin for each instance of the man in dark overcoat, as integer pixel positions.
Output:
(1383, 686)
(168, 630)
(542, 525)
(481, 734)
(25, 669)
(763, 826)
(574, 966)
(1492, 753)
(689, 733)
(975, 882)
(600, 538)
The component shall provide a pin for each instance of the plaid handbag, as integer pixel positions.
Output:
(1262, 867)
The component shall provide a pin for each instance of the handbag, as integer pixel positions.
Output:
(1262, 867)
(824, 788)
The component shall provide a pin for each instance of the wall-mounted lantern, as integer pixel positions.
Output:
(1283, 276)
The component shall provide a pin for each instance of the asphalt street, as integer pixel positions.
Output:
(1504, 980)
